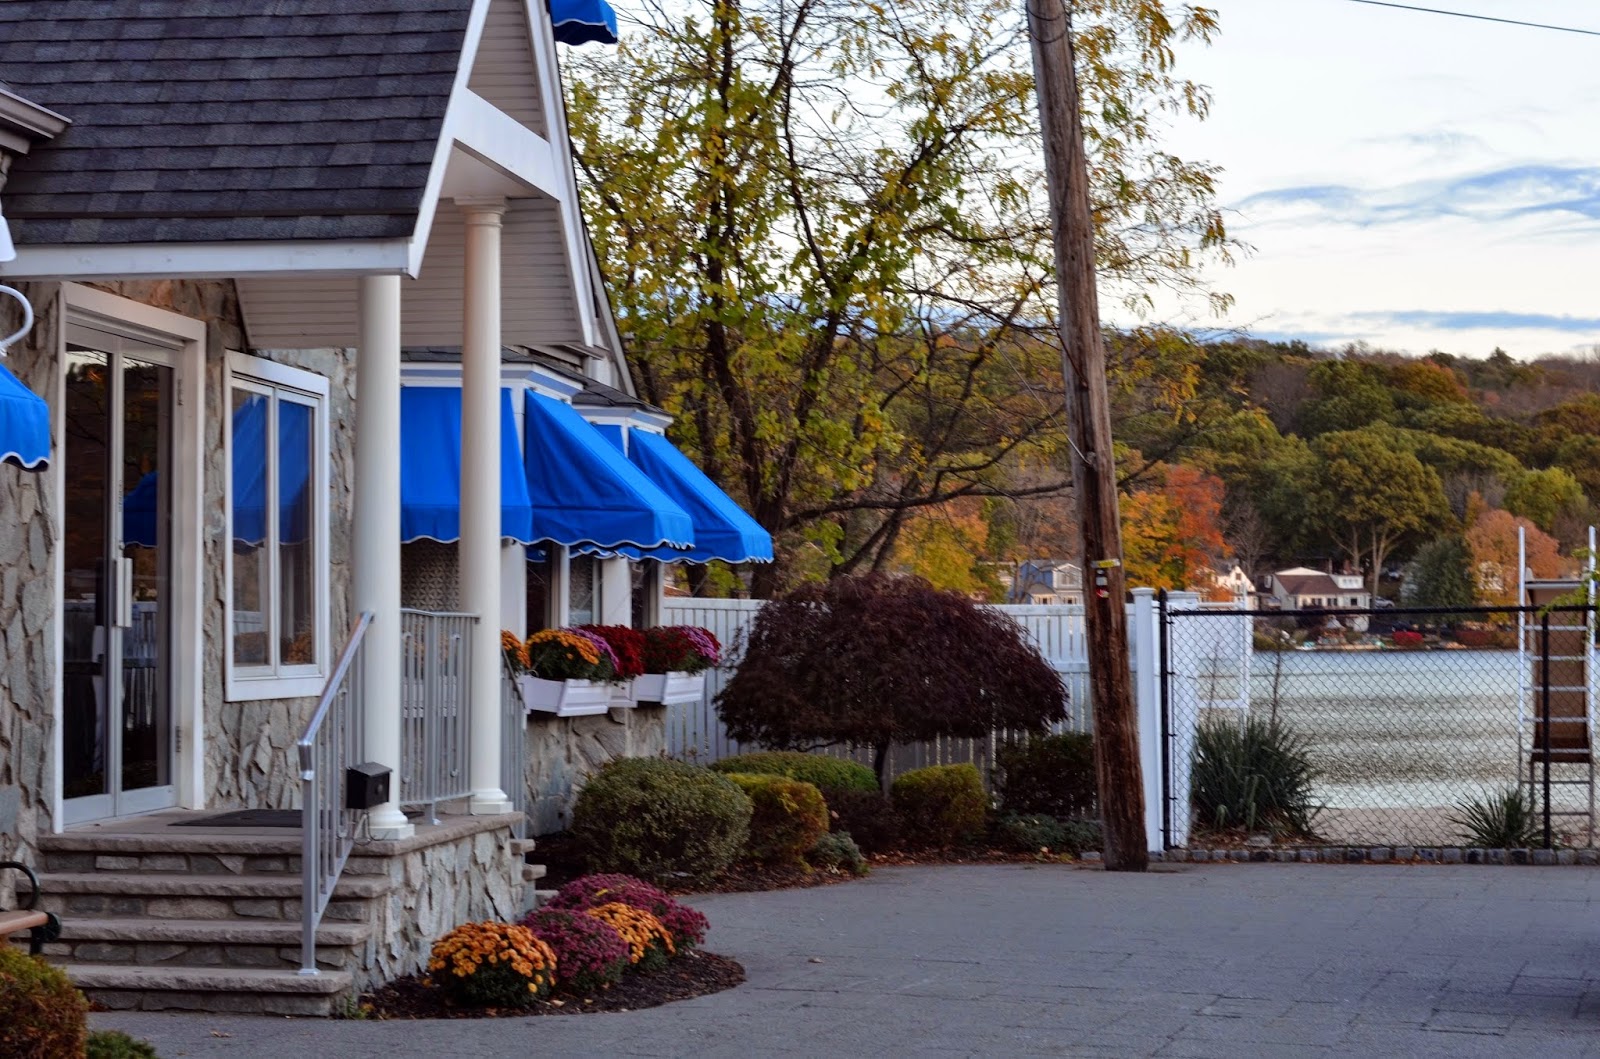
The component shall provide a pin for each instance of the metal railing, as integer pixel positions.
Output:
(435, 708)
(333, 741)
(514, 750)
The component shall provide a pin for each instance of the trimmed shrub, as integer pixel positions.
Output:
(658, 819)
(1255, 776)
(789, 817)
(870, 818)
(686, 925)
(827, 774)
(1083, 834)
(649, 944)
(837, 851)
(1052, 775)
(942, 805)
(492, 965)
(589, 952)
(1030, 833)
(114, 1044)
(41, 1015)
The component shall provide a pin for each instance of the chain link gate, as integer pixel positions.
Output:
(1387, 726)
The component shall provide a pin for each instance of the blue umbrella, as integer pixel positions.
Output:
(24, 417)
(583, 21)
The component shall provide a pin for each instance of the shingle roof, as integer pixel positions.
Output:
(214, 120)
(1307, 584)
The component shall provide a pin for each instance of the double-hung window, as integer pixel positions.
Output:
(276, 437)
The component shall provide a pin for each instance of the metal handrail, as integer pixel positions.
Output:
(435, 707)
(327, 827)
(514, 750)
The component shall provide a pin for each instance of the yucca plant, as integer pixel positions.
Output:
(1254, 776)
(1504, 819)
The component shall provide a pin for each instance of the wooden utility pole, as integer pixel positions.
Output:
(1116, 726)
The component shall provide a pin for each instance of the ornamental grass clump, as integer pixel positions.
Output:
(590, 954)
(1505, 819)
(650, 945)
(626, 645)
(492, 964)
(1254, 776)
(686, 925)
(680, 649)
(41, 1014)
(660, 819)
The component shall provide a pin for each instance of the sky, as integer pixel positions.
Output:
(1409, 180)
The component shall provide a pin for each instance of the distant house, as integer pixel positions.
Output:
(1047, 581)
(1301, 588)
(1235, 583)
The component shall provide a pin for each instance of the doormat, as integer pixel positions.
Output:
(248, 818)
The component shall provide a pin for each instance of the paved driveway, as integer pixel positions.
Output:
(1190, 960)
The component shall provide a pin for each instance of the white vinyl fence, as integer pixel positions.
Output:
(695, 732)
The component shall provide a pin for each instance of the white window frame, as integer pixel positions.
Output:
(279, 382)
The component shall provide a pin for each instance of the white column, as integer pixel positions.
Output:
(375, 551)
(480, 491)
(1144, 630)
(514, 588)
(615, 582)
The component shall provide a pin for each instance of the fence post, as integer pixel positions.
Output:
(1147, 699)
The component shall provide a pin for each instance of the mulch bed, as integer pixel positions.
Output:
(692, 974)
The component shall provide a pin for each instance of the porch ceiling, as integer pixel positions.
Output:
(539, 296)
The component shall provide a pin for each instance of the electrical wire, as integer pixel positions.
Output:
(1479, 18)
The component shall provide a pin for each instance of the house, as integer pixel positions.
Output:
(1301, 588)
(1235, 584)
(335, 395)
(1047, 581)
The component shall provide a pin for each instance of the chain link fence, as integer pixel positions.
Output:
(1380, 727)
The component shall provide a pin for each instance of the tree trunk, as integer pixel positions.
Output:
(1116, 726)
(880, 760)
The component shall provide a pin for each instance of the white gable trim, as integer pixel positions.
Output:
(209, 260)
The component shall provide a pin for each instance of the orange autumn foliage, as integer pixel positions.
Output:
(1492, 540)
(1172, 529)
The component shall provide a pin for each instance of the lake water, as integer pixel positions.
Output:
(1400, 737)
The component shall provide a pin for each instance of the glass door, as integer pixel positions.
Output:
(118, 747)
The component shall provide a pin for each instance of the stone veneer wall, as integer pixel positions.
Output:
(27, 603)
(467, 870)
(565, 751)
(249, 743)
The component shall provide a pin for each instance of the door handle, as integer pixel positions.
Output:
(124, 593)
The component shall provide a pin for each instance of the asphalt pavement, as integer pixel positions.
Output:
(1231, 960)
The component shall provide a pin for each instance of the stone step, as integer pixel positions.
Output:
(203, 943)
(248, 990)
(174, 896)
(174, 840)
(138, 862)
(533, 872)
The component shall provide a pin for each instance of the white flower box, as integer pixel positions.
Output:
(669, 689)
(622, 695)
(564, 698)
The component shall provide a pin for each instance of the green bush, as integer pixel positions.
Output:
(114, 1044)
(1253, 777)
(789, 817)
(941, 805)
(41, 1015)
(869, 817)
(1083, 834)
(1051, 775)
(659, 819)
(1503, 820)
(1030, 833)
(828, 774)
(836, 850)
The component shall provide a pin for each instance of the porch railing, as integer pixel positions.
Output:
(514, 751)
(333, 741)
(435, 708)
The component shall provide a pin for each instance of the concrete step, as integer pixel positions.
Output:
(186, 896)
(249, 990)
(215, 943)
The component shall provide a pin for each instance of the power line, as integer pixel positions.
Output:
(1480, 18)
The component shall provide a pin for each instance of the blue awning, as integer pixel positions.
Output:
(585, 492)
(24, 424)
(583, 21)
(430, 467)
(722, 530)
